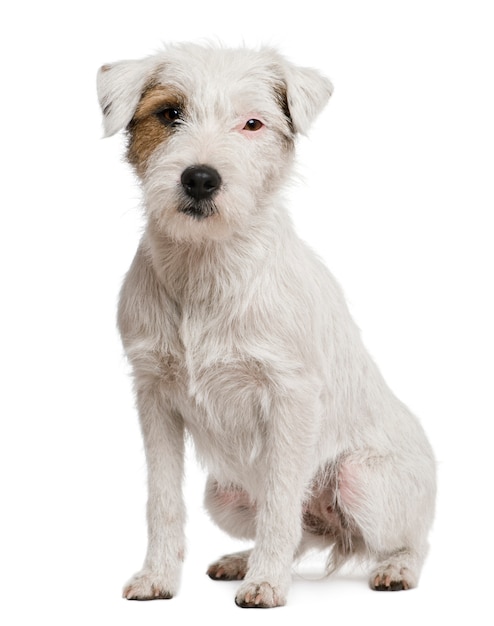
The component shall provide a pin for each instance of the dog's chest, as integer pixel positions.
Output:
(222, 391)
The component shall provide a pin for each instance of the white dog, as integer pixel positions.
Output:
(238, 335)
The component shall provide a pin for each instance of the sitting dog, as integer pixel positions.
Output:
(238, 335)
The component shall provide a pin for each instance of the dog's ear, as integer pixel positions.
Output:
(308, 92)
(120, 87)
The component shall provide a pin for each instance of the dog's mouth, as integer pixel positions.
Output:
(199, 209)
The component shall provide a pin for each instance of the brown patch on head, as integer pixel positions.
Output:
(145, 131)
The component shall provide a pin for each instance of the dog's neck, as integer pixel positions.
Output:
(200, 270)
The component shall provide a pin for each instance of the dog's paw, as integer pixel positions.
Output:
(391, 578)
(259, 596)
(147, 585)
(229, 567)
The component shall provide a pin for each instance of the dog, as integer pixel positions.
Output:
(238, 335)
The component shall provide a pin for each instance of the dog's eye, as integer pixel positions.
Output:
(253, 125)
(169, 116)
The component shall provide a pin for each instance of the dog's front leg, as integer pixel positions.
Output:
(163, 435)
(269, 569)
(286, 471)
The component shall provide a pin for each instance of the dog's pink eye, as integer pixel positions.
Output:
(253, 125)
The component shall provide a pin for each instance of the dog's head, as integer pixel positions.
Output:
(210, 131)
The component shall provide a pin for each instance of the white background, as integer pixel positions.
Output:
(397, 198)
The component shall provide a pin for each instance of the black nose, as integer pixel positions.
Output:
(200, 181)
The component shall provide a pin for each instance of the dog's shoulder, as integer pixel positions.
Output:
(142, 299)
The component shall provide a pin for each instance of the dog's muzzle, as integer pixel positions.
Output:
(200, 183)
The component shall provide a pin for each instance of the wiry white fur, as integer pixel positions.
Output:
(120, 86)
(238, 334)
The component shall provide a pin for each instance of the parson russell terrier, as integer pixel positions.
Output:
(238, 335)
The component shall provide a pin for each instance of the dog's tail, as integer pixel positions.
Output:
(346, 550)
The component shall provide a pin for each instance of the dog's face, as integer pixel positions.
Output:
(210, 132)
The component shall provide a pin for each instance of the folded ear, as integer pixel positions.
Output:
(120, 87)
(308, 92)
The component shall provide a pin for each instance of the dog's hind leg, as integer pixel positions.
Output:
(390, 499)
(397, 571)
(230, 567)
(231, 508)
(233, 511)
